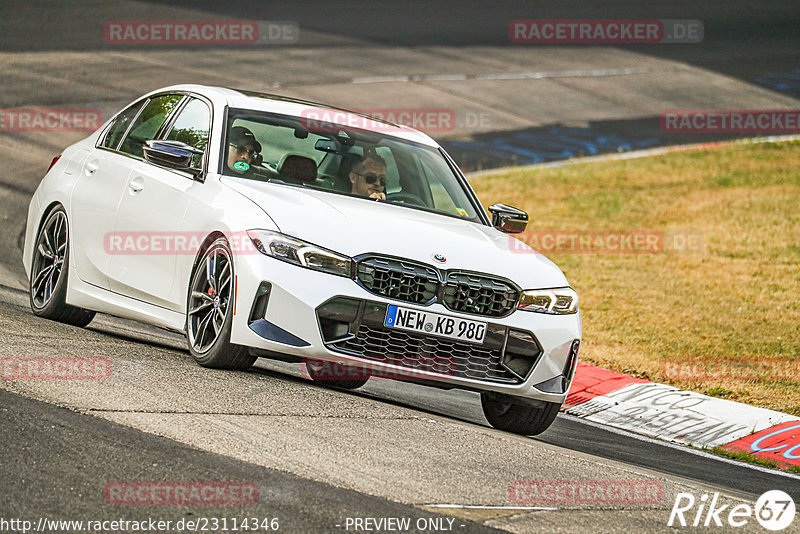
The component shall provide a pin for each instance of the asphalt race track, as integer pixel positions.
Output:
(317, 455)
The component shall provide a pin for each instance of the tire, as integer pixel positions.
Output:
(322, 373)
(47, 290)
(506, 413)
(209, 314)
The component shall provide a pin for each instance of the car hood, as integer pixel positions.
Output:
(355, 226)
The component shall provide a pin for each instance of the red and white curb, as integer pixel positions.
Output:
(668, 413)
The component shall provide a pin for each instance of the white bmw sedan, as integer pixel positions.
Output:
(262, 226)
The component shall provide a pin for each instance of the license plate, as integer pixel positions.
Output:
(435, 324)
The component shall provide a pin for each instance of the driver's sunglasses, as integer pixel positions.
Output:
(243, 150)
(371, 178)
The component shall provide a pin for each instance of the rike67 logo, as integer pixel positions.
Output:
(774, 510)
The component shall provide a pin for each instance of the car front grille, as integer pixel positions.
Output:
(466, 292)
(479, 294)
(399, 279)
(427, 353)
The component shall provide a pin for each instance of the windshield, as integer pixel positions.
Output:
(348, 161)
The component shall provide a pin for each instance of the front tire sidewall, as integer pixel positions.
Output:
(504, 412)
(222, 354)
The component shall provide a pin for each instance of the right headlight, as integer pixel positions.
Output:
(292, 250)
(559, 301)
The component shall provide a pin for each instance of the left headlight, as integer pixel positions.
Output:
(560, 301)
(300, 253)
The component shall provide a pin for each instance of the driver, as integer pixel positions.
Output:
(242, 149)
(368, 177)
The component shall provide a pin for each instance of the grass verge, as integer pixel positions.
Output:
(745, 457)
(714, 305)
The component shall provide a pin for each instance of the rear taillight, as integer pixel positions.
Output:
(55, 160)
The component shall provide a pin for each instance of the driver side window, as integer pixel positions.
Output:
(148, 123)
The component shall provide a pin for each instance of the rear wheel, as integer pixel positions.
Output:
(49, 273)
(209, 314)
(329, 373)
(506, 413)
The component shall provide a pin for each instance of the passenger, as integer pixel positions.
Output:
(368, 177)
(242, 149)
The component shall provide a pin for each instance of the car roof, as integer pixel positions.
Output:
(240, 98)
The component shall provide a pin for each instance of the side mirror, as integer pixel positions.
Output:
(508, 219)
(173, 155)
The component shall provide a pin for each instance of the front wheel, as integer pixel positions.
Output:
(49, 272)
(209, 314)
(506, 413)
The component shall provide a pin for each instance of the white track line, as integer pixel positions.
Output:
(480, 507)
(527, 75)
(381, 79)
(559, 74)
(445, 77)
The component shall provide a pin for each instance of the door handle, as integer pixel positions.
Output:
(92, 167)
(136, 185)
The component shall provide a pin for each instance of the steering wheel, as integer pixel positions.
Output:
(406, 198)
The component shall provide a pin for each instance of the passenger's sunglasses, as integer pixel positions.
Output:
(243, 150)
(371, 178)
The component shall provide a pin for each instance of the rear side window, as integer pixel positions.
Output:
(192, 126)
(120, 126)
(149, 122)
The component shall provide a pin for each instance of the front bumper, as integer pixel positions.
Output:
(291, 310)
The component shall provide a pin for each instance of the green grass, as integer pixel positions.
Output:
(716, 307)
(719, 392)
(747, 457)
